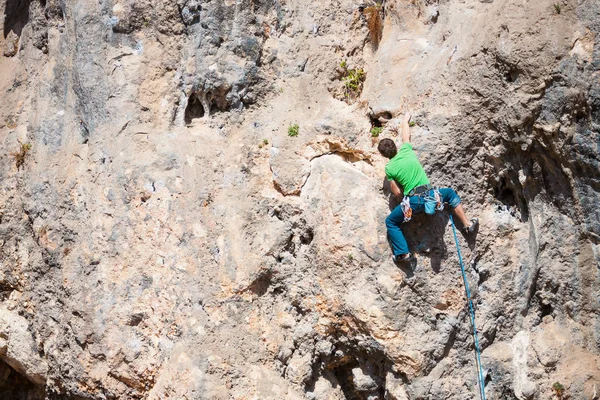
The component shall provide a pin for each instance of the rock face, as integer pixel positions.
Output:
(162, 236)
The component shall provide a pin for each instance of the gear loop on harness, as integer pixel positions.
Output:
(436, 197)
(406, 208)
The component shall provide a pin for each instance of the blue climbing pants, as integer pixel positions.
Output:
(417, 202)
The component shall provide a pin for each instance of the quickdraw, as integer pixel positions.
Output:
(433, 201)
(406, 209)
(437, 198)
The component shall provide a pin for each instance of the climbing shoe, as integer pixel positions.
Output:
(471, 228)
(402, 258)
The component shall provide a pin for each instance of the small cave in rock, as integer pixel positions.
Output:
(358, 369)
(505, 192)
(545, 309)
(206, 102)
(194, 109)
(505, 195)
(15, 386)
(307, 236)
(375, 123)
(216, 99)
(16, 16)
(261, 284)
(377, 120)
(343, 373)
(511, 75)
(509, 70)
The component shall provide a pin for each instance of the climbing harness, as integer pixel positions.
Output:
(420, 190)
(472, 312)
(432, 201)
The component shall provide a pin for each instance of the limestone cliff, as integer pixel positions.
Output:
(162, 236)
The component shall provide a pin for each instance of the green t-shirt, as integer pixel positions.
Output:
(406, 169)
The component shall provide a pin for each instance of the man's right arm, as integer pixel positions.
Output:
(395, 189)
(406, 128)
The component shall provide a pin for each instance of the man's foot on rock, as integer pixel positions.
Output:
(469, 230)
(402, 258)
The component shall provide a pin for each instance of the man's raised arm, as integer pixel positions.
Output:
(406, 128)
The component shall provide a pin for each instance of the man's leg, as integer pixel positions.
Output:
(393, 222)
(459, 212)
(449, 196)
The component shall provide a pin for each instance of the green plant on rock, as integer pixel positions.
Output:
(19, 156)
(557, 8)
(293, 130)
(559, 389)
(353, 82)
(353, 79)
(376, 131)
(412, 123)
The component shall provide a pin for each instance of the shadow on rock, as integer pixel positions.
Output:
(408, 267)
(471, 238)
(425, 235)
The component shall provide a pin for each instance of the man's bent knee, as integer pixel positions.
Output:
(389, 222)
(450, 196)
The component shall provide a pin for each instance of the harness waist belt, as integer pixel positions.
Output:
(420, 189)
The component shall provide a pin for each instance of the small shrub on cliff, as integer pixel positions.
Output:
(19, 156)
(293, 130)
(412, 123)
(557, 8)
(559, 389)
(353, 81)
(376, 131)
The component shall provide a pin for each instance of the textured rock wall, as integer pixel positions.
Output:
(164, 237)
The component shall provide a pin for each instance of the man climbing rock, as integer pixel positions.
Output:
(408, 181)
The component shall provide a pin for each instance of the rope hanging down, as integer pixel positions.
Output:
(472, 312)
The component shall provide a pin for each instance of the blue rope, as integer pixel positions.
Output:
(472, 312)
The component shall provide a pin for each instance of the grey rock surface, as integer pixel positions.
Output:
(162, 236)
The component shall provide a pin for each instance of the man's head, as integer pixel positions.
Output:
(387, 148)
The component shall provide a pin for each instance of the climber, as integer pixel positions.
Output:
(408, 181)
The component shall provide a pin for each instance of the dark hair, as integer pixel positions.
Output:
(387, 148)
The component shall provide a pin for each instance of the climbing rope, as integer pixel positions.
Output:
(472, 312)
